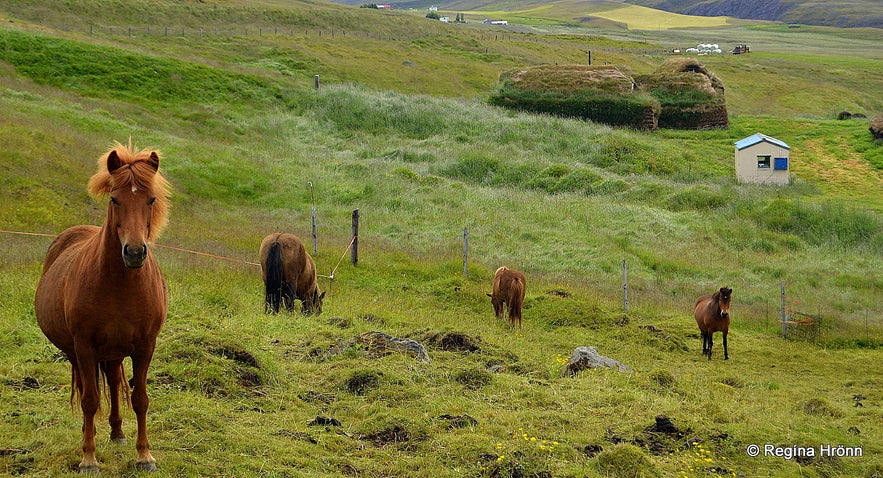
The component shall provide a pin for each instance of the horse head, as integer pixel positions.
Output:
(497, 303)
(723, 300)
(313, 303)
(131, 210)
(138, 206)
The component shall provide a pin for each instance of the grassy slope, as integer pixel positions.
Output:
(420, 169)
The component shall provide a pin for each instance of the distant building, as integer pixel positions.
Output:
(384, 6)
(762, 159)
(495, 22)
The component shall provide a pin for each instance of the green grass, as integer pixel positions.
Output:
(233, 390)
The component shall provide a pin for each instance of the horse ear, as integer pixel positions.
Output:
(113, 161)
(489, 295)
(153, 160)
(322, 296)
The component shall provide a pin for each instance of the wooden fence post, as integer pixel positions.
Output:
(316, 81)
(354, 252)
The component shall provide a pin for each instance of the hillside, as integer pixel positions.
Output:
(853, 14)
(401, 131)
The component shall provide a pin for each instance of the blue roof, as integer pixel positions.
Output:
(759, 138)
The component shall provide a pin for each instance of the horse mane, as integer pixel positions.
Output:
(501, 268)
(139, 173)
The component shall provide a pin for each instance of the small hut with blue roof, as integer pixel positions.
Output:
(762, 159)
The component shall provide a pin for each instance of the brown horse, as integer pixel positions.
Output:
(508, 289)
(102, 297)
(712, 314)
(289, 273)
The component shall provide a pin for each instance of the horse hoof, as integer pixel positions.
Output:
(119, 440)
(148, 466)
(89, 470)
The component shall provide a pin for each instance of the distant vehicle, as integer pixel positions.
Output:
(740, 49)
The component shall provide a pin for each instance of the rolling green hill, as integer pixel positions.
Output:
(400, 129)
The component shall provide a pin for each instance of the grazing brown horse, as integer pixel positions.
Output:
(102, 297)
(508, 289)
(712, 314)
(289, 273)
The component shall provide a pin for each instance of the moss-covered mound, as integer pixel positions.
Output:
(691, 97)
(680, 94)
(604, 94)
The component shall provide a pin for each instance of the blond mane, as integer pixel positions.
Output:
(136, 171)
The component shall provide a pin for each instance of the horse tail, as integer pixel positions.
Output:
(77, 384)
(516, 299)
(275, 277)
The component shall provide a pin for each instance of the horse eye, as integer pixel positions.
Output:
(151, 201)
(114, 201)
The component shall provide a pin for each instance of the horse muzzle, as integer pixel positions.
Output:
(134, 256)
(725, 314)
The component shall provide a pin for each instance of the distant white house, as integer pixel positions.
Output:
(384, 6)
(495, 22)
(445, 19)
(762, 159)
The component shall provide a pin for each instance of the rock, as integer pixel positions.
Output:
(380, 344)
(584, 358)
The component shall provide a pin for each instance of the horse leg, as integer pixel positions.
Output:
(726, 354)
(89, 397)
(140, 403)
(704, 342)
(115, 381)
(710, 343)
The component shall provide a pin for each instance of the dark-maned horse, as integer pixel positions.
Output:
(102, 297)
(712, 314)
(289, 273)
(509, 286)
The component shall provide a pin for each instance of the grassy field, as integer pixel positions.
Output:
(249, 146)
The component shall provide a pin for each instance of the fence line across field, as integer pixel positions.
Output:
(794, 324)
